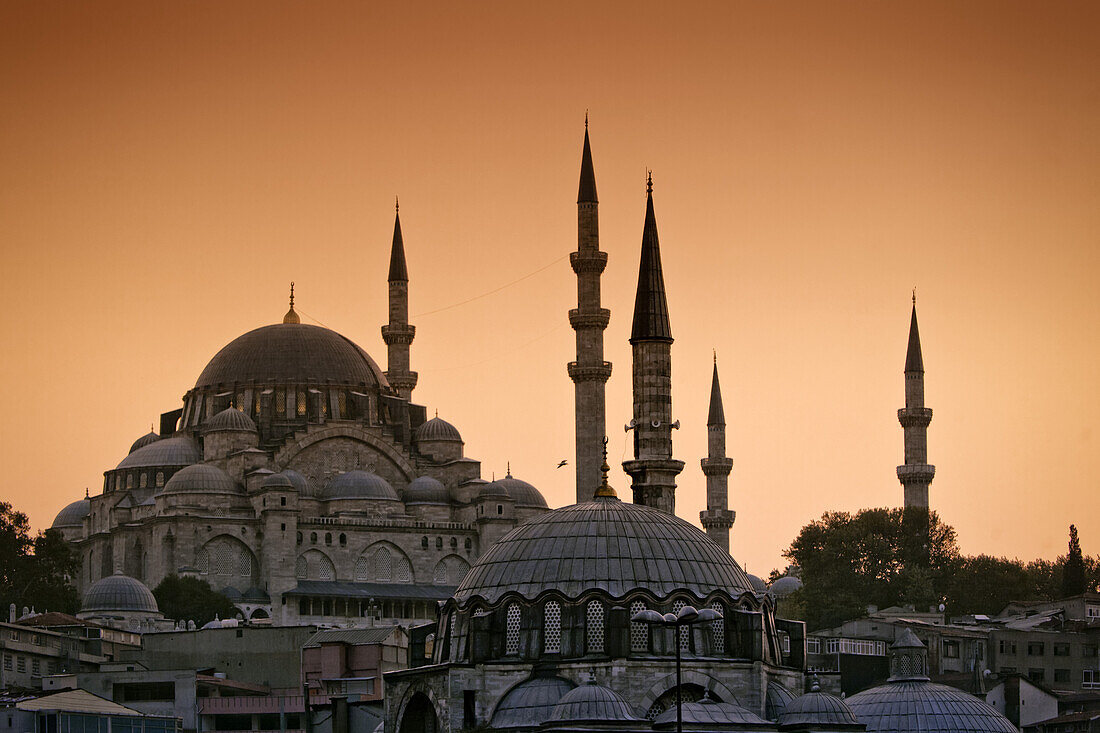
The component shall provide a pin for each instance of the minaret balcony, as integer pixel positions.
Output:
(716, 466)
(398, 333)
(717, 518)
(599, 372)
(597, 319)
(588, 261)
(915, 417)
(920, 473)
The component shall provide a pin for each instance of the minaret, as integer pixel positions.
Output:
(916, 474)
(398, 334)
(589, 372)
(717, 518)
(653, 470)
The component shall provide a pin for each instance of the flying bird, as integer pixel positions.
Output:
(562, 464)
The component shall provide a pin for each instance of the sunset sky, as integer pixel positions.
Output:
(166, 169)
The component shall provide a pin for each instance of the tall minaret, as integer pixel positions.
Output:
(398, 334)
(589, 372)
(653, 470)
(717, 518)
(916, 474)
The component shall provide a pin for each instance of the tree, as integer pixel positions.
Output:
(986, 584)
(35, 572)
(1074, 579)
(191, 599)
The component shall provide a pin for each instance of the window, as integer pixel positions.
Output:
(299, 538)
(1061, 650)
(439, 543)
(1092, 611)
(7, 663)
(718, 629)
(144, 482)
(313, 538)
(469, 543)
(301, 403)
(685, 631)
(21, 664)
(383, 570)
(950, 649)
(1061, 675)
(454, 543)
(423, 543)
(1036, 649)
(280, 402)
(343, 540)
(551, 629)
(639, 632)
(500, 509)
(1090, 679)
(36, 666)
(130, 481)
(1035, 674)
(342, 401)
(512, 630)
(1007, 647)
(282, 501)
(328, 538)
(160, 479)
(813, 645)
(594, 627)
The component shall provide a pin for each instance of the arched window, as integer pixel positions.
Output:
(299, 538)
(685, 631)
(313, 538)
(202, 561)
(130, 481)
(594, 627)
(383, 571)
(718, 629)
(301, 568)
(342, 401)
(402, 570)
(343, 540)
(160, 479)
(469, 543)
(639, 632)
(301, 403)
(439, 577)
(328, 538)
(324, 405)
(454, 542)
(280, 402)
(439, 543)
(551, 628)
(143, 482)
(512, 630)
(423, 543)
(362, 569)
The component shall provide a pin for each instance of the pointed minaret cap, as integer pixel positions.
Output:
(650, 306)
(913, 360)
(291, 316)
(604, 490)
(586, 194)
(398, 271)
(717, 415)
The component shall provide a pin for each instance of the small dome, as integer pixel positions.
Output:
(178, 450)
(72, 515)
(758, 585)
(230, 419)
(776, 700)
(426, 490)
(201, 478)
(358, 485)
(592, 704)
(494, 490)
(707, 713)
(299, 481)
(119, 592)
(277, 481)
(913, 706)
(144, 440)
(817, 709)
(437, 429)
(530, 703)
(524, 494)
(782, 587)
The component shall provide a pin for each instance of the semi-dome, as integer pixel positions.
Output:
(230, 419)
(292, 353)
(144, 440)
(437, 429)
(201, 478)
(426, 490)
(523, 493)
(606, 544)
(358, 485)
(592, 704)
(529, 703)
(119, 593)
(73, 514)
(178, 450)
(782, 587)
(818, 709)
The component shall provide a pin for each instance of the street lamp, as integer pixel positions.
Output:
(687, 616)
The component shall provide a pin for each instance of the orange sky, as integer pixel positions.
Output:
(167, 168)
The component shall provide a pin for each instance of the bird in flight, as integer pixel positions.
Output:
(562, 464)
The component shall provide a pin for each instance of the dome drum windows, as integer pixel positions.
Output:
(551, 628)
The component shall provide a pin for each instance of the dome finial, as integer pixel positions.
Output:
(815, 684)
(437, 412)
(586, 119)
(85, 492)
(604, 491)
(508, 473)
(397, 204)
(648, 181)
(291, 316)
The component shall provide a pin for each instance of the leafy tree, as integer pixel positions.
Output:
(986, 584)
(35, 572)
(191, 599)
(1074, 574)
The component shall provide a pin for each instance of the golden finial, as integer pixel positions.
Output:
(604, 491)
(291, 316)
(648, 181)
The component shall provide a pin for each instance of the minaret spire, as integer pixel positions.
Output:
(653, 470)
(915, 474)
(398, 333)
(717, 519)
(589, 372)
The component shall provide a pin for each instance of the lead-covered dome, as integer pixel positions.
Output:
(524, 494)
(358, 485)
(119, 593)
(178, 450)
(294, 353)
(201, 478)
(144, 440)
(72, 515)
(426, 490)
(592, 704)
(529, 703)
(437, 429)
(230, 420)
(606, 544)
(818, 709)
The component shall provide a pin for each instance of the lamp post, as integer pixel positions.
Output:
(687, 616)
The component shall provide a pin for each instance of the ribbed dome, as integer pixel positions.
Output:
(784, 586)
(592, 703)
(706, 713)
(523, 493)
(606, 544)
(119, 592)
(230, 419)
(358, 485)
(201, 478)
(776, 700)
(758, 585)
(178, 450)
(277, 481)
(493, 490)
(530, 703)
(73, 514)
(437, 429)
(292, 353)
(144, 440)
(426, 490)
(817, 709)
(919, 707)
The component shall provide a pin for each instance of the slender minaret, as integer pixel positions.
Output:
(589, 372)
(653, 470)
(398, 334)
(916, 474)
(717, 518)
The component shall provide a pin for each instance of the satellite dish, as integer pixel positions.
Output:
(942, 607)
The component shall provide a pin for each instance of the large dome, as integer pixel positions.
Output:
(913, 706)
(294, 353)
(119, 592)
(606, 544)
(178, 450)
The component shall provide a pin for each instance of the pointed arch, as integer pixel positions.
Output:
(314, 565)
(450, 570)
(383, 562)
(226, 561)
